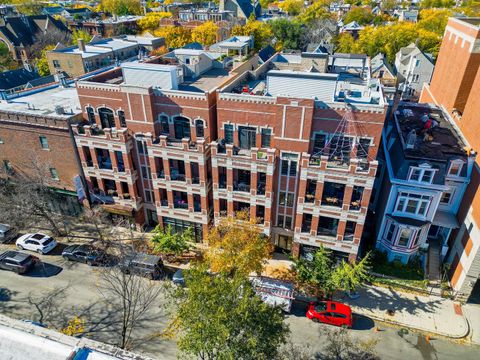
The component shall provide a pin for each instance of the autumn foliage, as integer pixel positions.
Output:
(237, 246)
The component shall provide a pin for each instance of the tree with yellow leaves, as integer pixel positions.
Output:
(175, 36)
(205, 34)
(261, 31)
(291, 7)
(75, 327)
(237, 246)
(316, 11)
(122, 7)
(152, 20)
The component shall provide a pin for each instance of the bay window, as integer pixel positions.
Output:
(414, 204)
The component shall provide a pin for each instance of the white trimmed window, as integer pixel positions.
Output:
(414, 204)
(404, 237)
(455, 168)
(446, 197)
(421, 174)
(389, 231)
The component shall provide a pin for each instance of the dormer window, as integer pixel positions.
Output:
(455, 168)
(421, 174)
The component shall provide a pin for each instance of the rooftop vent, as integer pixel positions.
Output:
(411, 139)
(59, 110)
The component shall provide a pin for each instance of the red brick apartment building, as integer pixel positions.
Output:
(35, 138)
(455, 86)
(195, 136)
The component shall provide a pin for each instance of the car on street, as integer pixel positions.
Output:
(7, 233)
(17, 261)
(330, 312)
(178, 278)
(37, 242)
(149, 266)
(85, 253)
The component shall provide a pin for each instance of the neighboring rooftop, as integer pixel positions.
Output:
(183, 69)
(107, 45)
(427, 133)
(52, 101)
(23, 340)
(14, 78)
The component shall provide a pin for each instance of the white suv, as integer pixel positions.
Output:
(38, 242)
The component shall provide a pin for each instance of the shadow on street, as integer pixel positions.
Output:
(44, 270)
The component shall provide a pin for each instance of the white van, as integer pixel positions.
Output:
(7, 233)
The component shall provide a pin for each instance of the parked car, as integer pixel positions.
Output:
(330, 312)
(17, 261)
(87, 254)
(178, 278)
(38, 242)
(149, 266)
(7, 233)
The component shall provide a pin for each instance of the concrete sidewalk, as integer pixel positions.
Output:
(430, 314)
(472, 313)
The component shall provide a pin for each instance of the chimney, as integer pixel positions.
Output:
(81, 45)
(411, 139)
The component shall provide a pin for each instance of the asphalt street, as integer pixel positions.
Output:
(57, 290)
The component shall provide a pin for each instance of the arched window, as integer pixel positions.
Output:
(199, 128)
(91, 115)
(106, 118)
(164, 124)
(182, 127)
(121, 117)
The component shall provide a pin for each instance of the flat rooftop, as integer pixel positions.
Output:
(22, 340)
(44, 102)
(206, 82)
(104, 46)
(323, 87)
(436, 138)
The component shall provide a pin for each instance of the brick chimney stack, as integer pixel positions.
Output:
(81, 45)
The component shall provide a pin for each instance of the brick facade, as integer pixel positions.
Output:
(456, 86)
(143, 165)
(21, 147)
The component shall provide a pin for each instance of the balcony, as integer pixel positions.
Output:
(180, 204)
(241, 187)
(333, 194)
(241, 180)
(261, 186)
(180, 200)
(310, 191)
(327, 227)
(176, 176)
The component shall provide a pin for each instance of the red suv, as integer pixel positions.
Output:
(330, 312)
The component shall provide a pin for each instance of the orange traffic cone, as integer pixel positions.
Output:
(427, 338)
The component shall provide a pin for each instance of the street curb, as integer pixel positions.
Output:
(393, 322)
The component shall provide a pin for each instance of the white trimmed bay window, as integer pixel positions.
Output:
(399, 235)
(412, 204)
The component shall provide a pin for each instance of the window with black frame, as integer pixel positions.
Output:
(121, 118)
(164, 125)
(246, 137)
(266, 137)
(182, 127)
(200, 129)
(228, 132)
(91, 115)
(106, 118)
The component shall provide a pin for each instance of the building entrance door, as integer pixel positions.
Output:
(283, 244)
